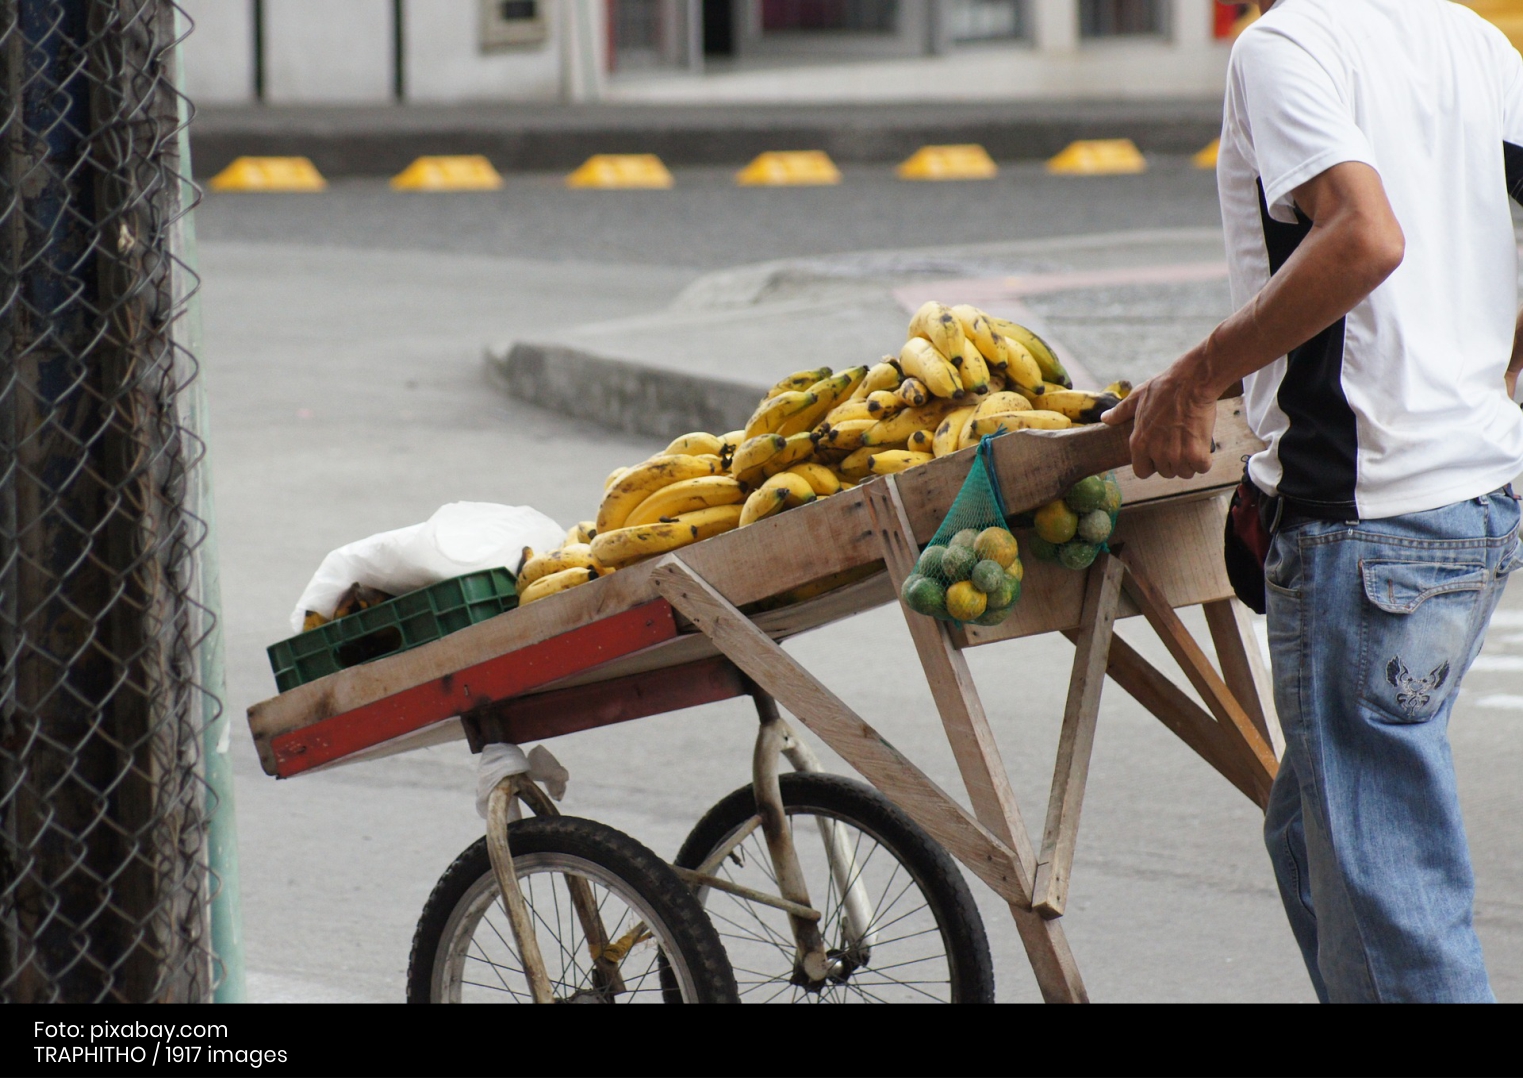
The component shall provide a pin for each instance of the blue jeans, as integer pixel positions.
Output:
(1372, 625)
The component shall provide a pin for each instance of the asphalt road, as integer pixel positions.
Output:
(343, 356)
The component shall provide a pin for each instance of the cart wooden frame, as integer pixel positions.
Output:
(684, 629)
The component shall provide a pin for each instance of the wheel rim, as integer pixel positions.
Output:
(908, 960)
(478, 962)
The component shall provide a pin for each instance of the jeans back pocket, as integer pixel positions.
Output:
(1400, 587)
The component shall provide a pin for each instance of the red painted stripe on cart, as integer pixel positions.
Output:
(477, 686)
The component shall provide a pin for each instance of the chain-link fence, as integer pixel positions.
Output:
(104, 888)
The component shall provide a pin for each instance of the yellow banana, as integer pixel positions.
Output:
(575, 556)
(1040, 350)
(613, 477)
(684, 497)
(1120, 390)
(643, 480)
(1005, 401)
(851, 409)
(555, 583)
(912, 391)
(747, 463)
(624, 546)
(830, 392)
(799, 380)
(922, 441)
(695, 444)
(799, 447)
(773, 411)
(847, 435)
(973, 371)
(1021, 368)
(1012, 421)
(899, 427)
(936, 323)
(921, 360)
(729, 443)
(799, 490)
(884, 375)
(859, 465)
(882, 404)
(824, 481)
(897, 460)
(581, 532)
(1077, 404)
(976, 328)
(948, 436)
(762, 503)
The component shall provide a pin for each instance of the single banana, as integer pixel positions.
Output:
(1077, 404)
(643, 480)
(799, 447)
(1040, 350)
(912, 391)
(859, 465)
(948, 436)
(729, 443)
(761, 504)
(846, 435)
(884, 375)
(831, 392)
(882, 404)
(575, 556)
(973, 371)
(799, 490)
(555, 583)
(685, 497)
(921, 360)
(581, 533)
(799, 380)
(898, 428)
(695, 444)
(922, 441)
(772, 412)
(976, 328)
(1120, 390)
(1012, 421)
(897, 460)
(613, 477)
(824, 481)
(936, 323)
(1021, 368)
(747, 463)
(622, 547)
(1004, 401)
(851, 409)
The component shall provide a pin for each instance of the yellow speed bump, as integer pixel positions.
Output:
(615, 170)
(1098, 157)
(967, 162)
(789, 168)
(269, 174)
(1206, 156)
(463, 173)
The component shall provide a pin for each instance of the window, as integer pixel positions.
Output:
(986, 20)
(505, 23)
(1118, 18)
(878, 15)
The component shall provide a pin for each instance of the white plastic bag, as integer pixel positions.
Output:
(498, 761)
(462, 537)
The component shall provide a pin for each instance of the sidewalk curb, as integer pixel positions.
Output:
(619, 394)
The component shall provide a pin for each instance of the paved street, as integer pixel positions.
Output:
(344, 340)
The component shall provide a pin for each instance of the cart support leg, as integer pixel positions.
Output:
(1102, 592)
(1237, 652)
(774, 821)
(973, 746)
(507, 882)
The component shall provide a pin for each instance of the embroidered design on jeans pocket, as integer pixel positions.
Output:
(1413, 694)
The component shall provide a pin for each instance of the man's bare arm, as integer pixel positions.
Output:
(1515, 365)
(1354, 244)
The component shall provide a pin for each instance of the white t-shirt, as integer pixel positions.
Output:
(1400, 406)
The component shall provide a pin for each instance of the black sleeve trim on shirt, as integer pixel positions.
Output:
(1319, 451)
(1512, 160)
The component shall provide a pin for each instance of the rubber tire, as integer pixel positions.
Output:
(644, 872)
(932, 868)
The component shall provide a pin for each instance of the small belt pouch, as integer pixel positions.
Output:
(1247, 545)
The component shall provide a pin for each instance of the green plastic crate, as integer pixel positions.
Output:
(393, 626)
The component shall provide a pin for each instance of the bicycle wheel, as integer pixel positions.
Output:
(463, 950)
(909, 932)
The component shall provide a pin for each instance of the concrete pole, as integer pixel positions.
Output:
(1057, 25)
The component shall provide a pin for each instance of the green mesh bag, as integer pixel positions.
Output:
(1086, 514)
(970, 572)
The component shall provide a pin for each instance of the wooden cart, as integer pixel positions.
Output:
(683, 630)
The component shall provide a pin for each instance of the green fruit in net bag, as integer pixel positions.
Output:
(1077, 554)
(924, 596)
(957, 563)
(1038, 547)
(965, 538)
(1112, 503)
(1086, 495)
(930, 561)
(1017, 570)
(1056, 523)
(1095, 527)
(987, 576)
(965, 602)
(1008, 592)
(993, 615)
(996, 544)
